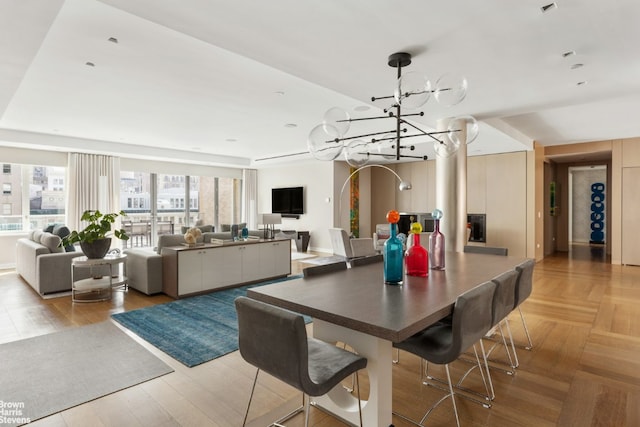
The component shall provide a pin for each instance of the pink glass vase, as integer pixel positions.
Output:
(436, 247)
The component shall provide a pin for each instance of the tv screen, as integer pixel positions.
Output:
(287, 200)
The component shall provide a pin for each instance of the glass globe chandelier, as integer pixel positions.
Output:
(329, 140)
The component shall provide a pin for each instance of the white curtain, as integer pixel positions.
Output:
(250, 198)
(93, 182)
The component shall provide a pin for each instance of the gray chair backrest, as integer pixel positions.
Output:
(486, 250)
(273, 340)
(504, 296)
(472, 317)
(323, 269)
(524, 284)
(356, 262)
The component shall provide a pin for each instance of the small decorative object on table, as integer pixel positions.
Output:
(417, 258)
(192, 235)
(436, 242)
(245, 233)
(393, 252)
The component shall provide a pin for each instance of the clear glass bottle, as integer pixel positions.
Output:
(393, 258)
(417, 258)
(436, 247)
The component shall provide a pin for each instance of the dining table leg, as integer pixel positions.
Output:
(376, 410)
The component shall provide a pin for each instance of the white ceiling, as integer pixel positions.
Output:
(217, 81)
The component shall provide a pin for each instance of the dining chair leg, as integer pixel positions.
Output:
(492, 394)
(306, 405)
(526, 331)
(513, 347)
(453, 400)
(253, 387)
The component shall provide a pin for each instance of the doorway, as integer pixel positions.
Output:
(588, 189)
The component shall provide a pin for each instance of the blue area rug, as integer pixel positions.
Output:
(192, 330)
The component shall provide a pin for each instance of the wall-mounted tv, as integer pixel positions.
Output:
(287, 201)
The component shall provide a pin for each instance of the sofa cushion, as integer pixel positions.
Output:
(169, 240)
(37, 235)
(52, 242)
(49, 228)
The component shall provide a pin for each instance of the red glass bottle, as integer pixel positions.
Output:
(417, 259)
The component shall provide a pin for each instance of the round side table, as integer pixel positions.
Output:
(105, 275)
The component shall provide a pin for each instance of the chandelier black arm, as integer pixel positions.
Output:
(407, 156)
(365, 118)
(429, 134)
(364, 135)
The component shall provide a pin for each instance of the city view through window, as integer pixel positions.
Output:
(35, 196)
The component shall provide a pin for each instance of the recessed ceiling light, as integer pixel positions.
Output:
(279, 92)
(113, 40)
(89, 64)
(231, 140)
(291, 125)
(582, 83)
(547, 7)
(362, 108)
(576, 66)
(196, 148)
(568, 53)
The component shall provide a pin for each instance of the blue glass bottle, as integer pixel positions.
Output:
(393, 262)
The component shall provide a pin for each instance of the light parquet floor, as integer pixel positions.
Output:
(584, 369)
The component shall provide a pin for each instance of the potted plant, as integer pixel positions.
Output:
(94, 238)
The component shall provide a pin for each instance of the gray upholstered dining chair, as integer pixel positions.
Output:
(275, 341)
(524, 286)
(490, 250)
(503, 302)
(357, 262)
(317, 270)
(443, 343)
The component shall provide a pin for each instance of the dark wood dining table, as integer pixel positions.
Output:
(354, 306)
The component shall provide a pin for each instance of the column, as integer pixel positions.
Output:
(451, 190)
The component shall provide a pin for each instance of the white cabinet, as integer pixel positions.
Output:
(275, 258)
(188, 271)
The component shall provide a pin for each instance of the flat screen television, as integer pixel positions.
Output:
(287, 200)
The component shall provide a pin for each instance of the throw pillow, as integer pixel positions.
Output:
(37, 235)
(225, 227)
(49, 228)
(51, 241)
(62, 231)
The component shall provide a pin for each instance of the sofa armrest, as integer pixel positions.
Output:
(144, 270)
(53, 271)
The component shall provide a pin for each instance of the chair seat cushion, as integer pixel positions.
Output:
(328, 365)
(433, 344)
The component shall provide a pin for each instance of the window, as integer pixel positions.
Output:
(180, 200)
(40, 189)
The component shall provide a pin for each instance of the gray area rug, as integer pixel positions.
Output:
(44, 375)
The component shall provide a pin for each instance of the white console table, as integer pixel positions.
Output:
(106, 273)
(190, 270)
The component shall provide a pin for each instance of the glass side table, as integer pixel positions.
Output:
(105, 274)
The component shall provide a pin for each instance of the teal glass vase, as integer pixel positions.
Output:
(393, 258)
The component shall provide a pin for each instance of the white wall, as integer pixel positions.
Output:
(317, 179)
